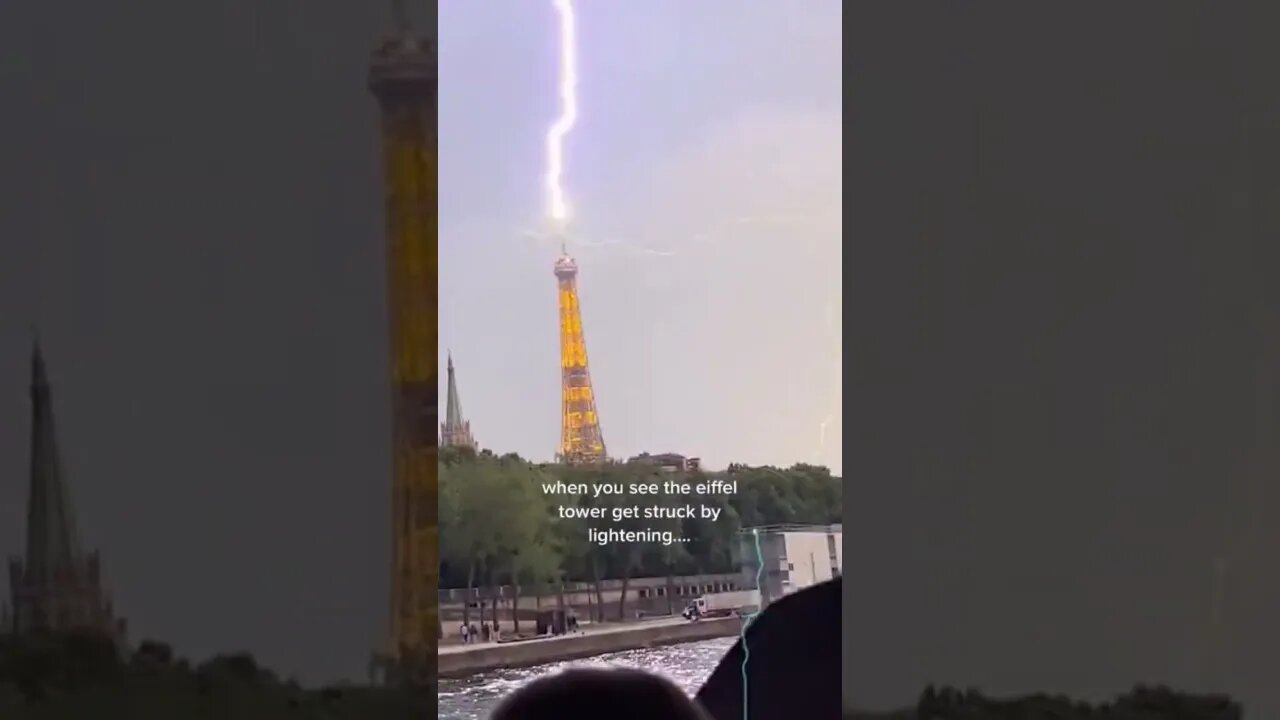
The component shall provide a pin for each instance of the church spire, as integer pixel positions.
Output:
(454, 431)
(51, 533)
(55, 586)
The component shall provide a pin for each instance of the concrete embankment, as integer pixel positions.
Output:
(463, 660)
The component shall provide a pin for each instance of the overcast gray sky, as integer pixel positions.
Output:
(190, 209)
(705, 178)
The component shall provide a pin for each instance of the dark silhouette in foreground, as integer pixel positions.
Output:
(86, 676)
(793, 670)
(1142, 703)
(617, 694)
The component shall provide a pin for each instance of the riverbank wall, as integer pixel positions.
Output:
(461, 661)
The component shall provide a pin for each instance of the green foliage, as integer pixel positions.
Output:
(69, 677)
(496, 523)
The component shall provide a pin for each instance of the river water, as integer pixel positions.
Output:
(687, 665)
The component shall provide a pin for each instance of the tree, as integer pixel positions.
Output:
(525, 545)
(74, 675)
(627, 556)
(496, 510)
(480, 509)
(536, 564)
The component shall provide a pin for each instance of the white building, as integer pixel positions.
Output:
(795, 557)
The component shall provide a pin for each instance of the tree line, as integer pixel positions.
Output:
(71, 675)
(1141, 703)
(499, 527)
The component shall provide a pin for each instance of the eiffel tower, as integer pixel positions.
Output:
(581, 442)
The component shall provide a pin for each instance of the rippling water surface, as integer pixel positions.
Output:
(688, 665)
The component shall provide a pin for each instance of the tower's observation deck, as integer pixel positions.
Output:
(404, 67)
(581, 441)
(566, 268)
(402, 75)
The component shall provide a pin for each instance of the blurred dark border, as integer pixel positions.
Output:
(1062, 343)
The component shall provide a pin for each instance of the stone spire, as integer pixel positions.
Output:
(55, 585)
(51, 533)
(455, 431)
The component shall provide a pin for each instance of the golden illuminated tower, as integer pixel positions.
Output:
(403, 78)
(580, 439)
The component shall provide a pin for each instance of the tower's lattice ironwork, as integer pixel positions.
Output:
(581, 441)
(403, 78)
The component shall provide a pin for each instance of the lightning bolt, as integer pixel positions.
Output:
(557, 200)
(558, 206)
(710, 238)
(540, 238)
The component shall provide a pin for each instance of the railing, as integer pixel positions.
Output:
(792, 527)
(507, 592)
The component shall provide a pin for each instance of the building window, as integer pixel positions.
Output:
(791, 567)
(642, 593)
(662, 592)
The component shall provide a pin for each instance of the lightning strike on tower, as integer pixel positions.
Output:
(403, 77)
(581, 441)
